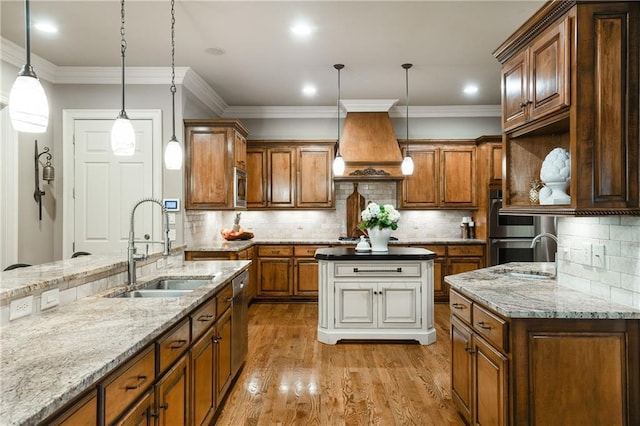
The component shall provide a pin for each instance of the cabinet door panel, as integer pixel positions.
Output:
(83, 413)
(281, 176)
(223, 355)
(457, 188)
(354, 305)
(314, 183)
(256, 178)
(203, 379)
(461, 383)
(421, 188)
(173, 395)
(490, 384)
(458, 266)
(275, 276)
(399, 305)
(141, 414)
(514, 91)
(209, 182)
(306, 280)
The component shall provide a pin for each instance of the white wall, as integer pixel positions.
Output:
(619, 279)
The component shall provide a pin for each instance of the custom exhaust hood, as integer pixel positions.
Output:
(368, 142)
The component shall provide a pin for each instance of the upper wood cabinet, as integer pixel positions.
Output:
(444, 176)
(580, 81)
(213, 148)
(289, 174)
(535, 81)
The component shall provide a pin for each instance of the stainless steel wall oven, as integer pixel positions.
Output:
(510, 237)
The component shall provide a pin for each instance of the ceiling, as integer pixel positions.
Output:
(450, 44)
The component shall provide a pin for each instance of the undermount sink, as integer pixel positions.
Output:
(532, 275)
(166, 288)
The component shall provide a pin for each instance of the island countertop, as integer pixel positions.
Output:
(520, 297)
(394, 253)
(49, 359)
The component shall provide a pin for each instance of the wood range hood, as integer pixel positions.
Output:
(368, 142)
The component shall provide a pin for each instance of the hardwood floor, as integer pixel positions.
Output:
(292, 379)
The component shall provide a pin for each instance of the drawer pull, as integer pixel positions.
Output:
(178, 344)
(483, 325)
(217, 339)
(205, 318)
(469, 350)
(141, 380)
(229, 299)
(457, 306)
(377, 270)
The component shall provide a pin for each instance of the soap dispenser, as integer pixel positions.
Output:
(363, 245)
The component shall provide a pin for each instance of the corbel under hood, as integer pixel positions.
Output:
(368, 143)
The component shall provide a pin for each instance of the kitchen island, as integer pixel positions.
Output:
(375, 295)
(73, 353)
(525, 350)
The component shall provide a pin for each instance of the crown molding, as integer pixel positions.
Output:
(368, 105)
(280, 112)
(113, 75)
(447, 111)
(196, 85)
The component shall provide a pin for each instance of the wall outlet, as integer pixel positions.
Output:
(49, 299)
(20, 308)
(581, 254)
(597, 256)
(160, 263)
(172, 234)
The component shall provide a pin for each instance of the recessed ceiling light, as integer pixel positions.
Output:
(309, 90)
(46, 27)
(470, 89)
(301, 30)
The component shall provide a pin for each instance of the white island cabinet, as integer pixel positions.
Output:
(374, 296)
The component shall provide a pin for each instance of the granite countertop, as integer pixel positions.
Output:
(518, 297)
(51, 358)
(394, 253)
(221, 245)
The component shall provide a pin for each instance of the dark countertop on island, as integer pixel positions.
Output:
(394, 253)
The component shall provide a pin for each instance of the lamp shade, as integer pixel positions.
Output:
(28, 105)
(338, 165)
(407, 166)
(123, 137)
(173, 155)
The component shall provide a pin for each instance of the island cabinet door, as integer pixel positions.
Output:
(355, 305)
(490, 382)
(399, 305)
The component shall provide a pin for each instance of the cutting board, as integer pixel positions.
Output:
(355, 205)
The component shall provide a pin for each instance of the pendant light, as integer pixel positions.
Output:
(123, 137)
(28, 107)
(338, 162)
(407, 162)
(173, 151)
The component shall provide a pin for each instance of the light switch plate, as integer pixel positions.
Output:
(20, 308)
(172, 234)
(597, 256)
(172, 218)
(49, 299)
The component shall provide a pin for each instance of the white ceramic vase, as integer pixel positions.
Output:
(379, 238)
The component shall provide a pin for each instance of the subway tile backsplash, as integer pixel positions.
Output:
(205, 226)
(617, 278)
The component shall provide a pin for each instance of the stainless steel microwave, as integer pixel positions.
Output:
(239, 188)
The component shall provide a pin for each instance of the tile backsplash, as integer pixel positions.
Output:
(601, 255)
(203, 226)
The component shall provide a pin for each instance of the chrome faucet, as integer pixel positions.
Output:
(131, 248)
(554, 238)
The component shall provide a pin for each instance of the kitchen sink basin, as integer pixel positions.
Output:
(174, 287)
(176, 284)
(529, 276)
(153, 293)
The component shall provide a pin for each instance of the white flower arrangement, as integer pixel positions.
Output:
(382, 216)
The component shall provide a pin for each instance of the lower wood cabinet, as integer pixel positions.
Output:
(542, 371)
(142, 413)
(287, 272)
(453, 259)
(81, 413)
(173, 394)
(223, 344)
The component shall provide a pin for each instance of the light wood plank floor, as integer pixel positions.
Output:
(292, 379)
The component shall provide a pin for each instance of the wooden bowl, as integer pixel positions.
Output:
(241, 236)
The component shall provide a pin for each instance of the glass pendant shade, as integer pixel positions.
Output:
(338, 165)
(173, 155)
(407, 166)
(123, 137)
(28, 105)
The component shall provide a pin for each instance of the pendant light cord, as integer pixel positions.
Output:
(123, 48)
(27, 35)
(338, 67)
(406, 73)
(173, 70)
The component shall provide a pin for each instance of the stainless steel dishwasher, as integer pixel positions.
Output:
(240, 334)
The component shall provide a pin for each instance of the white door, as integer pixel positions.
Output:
(107, 186)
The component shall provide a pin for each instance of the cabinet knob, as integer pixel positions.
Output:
(469, 350)
(523, 104)
(164, 406)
